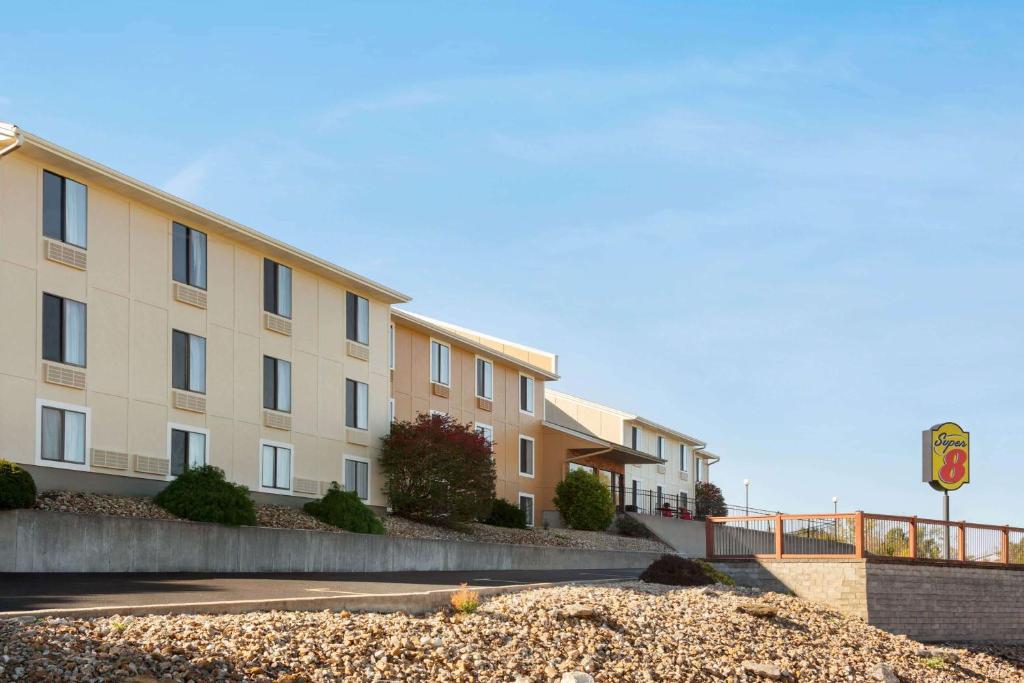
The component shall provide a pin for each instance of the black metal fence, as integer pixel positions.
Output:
(680, 506)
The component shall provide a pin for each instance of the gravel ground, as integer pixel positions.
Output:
(283, 517)
(628, 632)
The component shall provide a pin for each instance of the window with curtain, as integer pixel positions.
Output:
(189, 263)
(526, 402)
(357, 318)
(484, 379)
(440, 363)
(661, 447)
(357, 404)
(276, 467)
(357, 478)
(188, 450)
(188, 362)
(526, 505)
(277, 384)
(62, 437)
(63, 330)
(525, 456)
(65, 209)
(277, 288)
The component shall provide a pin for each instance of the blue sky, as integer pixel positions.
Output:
(803, 220)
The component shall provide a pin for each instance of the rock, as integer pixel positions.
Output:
(576, 677)
(884, 674)
(947, 656)
(578, 611)
(769, 671)
(758, 610)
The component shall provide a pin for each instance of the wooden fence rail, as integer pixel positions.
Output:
(860, 535)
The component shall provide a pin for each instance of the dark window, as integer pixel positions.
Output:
(440, 363)
(683, 501)
(636, 490)
(526, 402)
(62, 437)
(65, 209)
(189, 256)
(636, 438)
(357, 478)
(277, 288)
(63, 330)
(277, 384)
(525, 456)
(526, 505)
(659, 496)
(484, 378)
(188, 362)
(356, 404)
(188, 450)
(357, 318)
(684, 465)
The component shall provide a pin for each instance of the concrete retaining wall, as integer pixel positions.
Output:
(928, 602)
(41, 541)
(687, 537)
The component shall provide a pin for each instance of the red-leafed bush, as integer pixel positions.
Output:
(438, 471)
(708, 500)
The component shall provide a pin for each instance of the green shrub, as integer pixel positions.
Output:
(203, 494)
(630, 526)
(344, 510)
(673, 570)
(504, 513)
(17, 488)
(584, 501)
(438, 471)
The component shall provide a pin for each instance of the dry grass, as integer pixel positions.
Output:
(465, 600)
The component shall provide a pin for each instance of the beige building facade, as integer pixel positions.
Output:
(143, 334)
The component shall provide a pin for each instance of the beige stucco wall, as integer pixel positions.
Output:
(131, 312)
(413, 395)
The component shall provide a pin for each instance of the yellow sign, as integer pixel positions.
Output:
(946, 456)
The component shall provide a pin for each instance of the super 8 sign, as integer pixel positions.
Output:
(946, 456)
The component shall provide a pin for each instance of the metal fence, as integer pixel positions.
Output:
(859, 535)
(680, 506)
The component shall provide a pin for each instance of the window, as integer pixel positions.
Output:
(684, 462)
(526, 394)
(276, 466)
(277, 288)
(63, 330)
(62, 434)
(356, 403)
(357, 477)
(636, 438)
(683, 500)
(440, 363)
(277, 384)
(188, 450)
(636, 492)
(391, 347)
(188, 362)
(486, 430)
(661, 447)
(65, 209)
(659, 496)
(525, 456)
(696, 469)
(575, 466)
(391, 410)
(357, 318)
(484, 379)
(189, 264)
(526, 505)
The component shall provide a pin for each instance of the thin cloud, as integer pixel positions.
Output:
(407, 99)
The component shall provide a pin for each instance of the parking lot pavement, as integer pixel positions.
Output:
(69, 594)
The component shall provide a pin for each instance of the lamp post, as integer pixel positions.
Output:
(746, 501)
(835, 520)
(835, 504)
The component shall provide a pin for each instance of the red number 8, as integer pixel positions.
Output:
(953, 466)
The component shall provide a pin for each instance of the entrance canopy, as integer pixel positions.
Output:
(581, 445)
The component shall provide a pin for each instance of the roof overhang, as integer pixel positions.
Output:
(595, 446)
(195, 216)
(427, 326)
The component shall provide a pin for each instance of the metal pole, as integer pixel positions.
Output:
(945, 516)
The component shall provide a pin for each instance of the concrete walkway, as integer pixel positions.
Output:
(84, 595)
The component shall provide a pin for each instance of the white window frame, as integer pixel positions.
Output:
(476, 377)
(291, 468)
(660, 444)
(171, 426)
(519, 456)
(430, 364)
(533, 401)
(40, 403)
(478, 425)
(369, 475)
(684, 457)
(530, 523)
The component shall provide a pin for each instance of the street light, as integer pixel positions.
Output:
(746, 501)
(835, 520)
(835, 504)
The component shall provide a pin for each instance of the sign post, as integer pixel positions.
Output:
(946, 465)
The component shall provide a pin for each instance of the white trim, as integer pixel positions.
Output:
(519, 456)
(430, 363)
(520, 392)
(533, 499)
(476, 379)
(40, 403)
(474, 333)
(188, 428)
(391, 346)
(291, 467)
(369, 475)
(478, 425)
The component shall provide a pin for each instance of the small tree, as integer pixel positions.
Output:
(584, 501)
(344, 510)
(708, 500)
(17, 488)
(438, 471)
